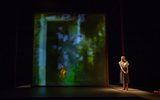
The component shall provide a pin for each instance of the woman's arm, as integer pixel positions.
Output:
(126, 70)
(121, 68)
(127, 67)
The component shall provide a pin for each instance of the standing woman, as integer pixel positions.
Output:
(124, 76)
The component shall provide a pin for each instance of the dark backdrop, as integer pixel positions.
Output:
(141, 26)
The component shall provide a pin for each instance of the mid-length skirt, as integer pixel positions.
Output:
(124, 78)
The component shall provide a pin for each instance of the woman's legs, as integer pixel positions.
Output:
(127, 86)
(123, 86)
(125, 82)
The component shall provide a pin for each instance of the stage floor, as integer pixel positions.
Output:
(112, 92)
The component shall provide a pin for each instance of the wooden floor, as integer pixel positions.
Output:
(113, 92)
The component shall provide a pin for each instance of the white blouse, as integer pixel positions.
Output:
(124, 64)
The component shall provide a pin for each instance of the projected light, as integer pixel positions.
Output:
(69, 49)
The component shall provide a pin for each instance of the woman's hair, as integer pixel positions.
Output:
(123, 57)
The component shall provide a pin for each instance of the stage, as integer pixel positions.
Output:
(113, 92)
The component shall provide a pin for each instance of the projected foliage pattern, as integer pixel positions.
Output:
(69, 49)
